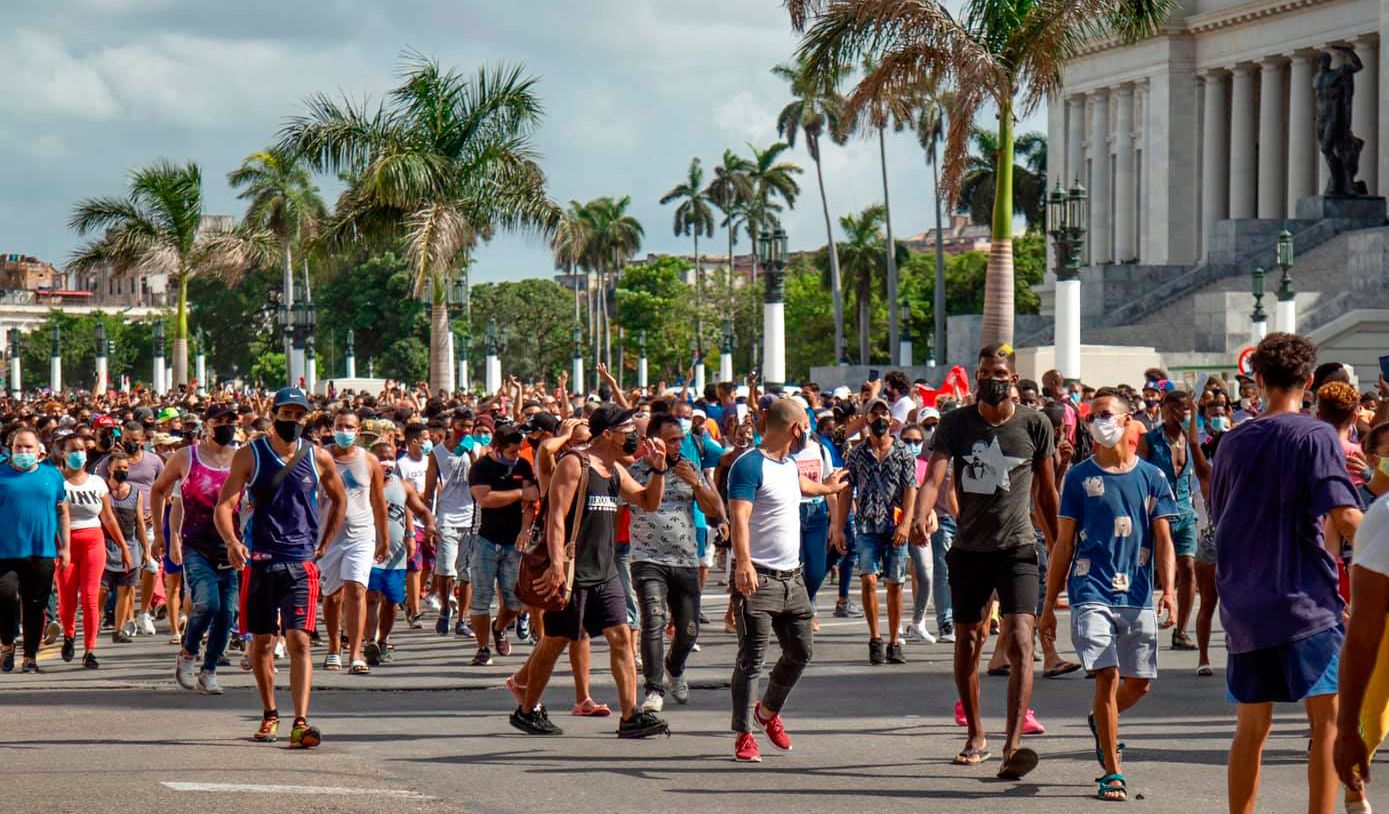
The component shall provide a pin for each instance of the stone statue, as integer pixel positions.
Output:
(1341, 147)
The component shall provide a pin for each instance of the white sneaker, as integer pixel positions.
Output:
(145, 623)
(246, 662)
(207, 683)
(653, 703)
(919, 631)
(130, 628)
(695, 648)
(432, 602)
(279, 648)
(186, 673)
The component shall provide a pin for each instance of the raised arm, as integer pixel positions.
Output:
(619, 397)
(648, 497)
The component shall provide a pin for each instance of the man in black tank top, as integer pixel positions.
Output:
(598, 604)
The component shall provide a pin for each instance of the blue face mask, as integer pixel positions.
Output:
(344, 438)
(1075, 399)
(686, 424)
(25, 460)
(76, 459)
(427, 447)
(915, 447)
(1219, 423)
(483, 440)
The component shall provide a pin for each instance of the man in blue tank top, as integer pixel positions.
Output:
(284, 478)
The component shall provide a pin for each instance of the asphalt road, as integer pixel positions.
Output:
(429, 733)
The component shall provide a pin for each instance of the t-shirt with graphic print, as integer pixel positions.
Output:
(1114, 543)
(993, 474)
(667, 535)
(594, 563)
(84, 502)
(880, 485)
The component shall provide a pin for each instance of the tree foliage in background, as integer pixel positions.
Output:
(236, 324)
(133, 356)
(653, 297)
(1029, 179)
(373, 297)
(538, 317)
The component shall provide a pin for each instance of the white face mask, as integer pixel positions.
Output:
(1107, 432)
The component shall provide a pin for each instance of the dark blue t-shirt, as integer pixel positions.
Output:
(1114, 546)
(28, 507)
(1275, 479)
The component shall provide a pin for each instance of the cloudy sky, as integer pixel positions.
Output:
(632, 90)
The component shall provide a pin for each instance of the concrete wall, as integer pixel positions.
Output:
(1104, 288)
(1102, 364)
(1358, 339)
(853, 376)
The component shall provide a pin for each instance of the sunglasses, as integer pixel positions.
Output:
(1104, 415)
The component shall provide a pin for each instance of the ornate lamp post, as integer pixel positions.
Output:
(1286, 311)
(726, 352)
(103, 373)
(1260, 319)
(310, 319)
(296, 353)
(200, 363)
(493, 369)
(284, 318)
(1067, 214)
(55, 359)
(458, 308)
(904, 345)
(772, 253)
(697, 348)
(576, 374)
(159, 356)
(351, 354)
(642, 369)
(16, 350)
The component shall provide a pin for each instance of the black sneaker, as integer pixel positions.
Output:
(500, 641)
(89, 661)
(875, 651)
(372, 653)
(7, 661)
(237, 644)
(1181, 641)
(30, 666)
(947, 633)
(642, 725)
(535, 722)
(69, 648)
(441, 625)
(703, 620)
(894, 653)
(483, 658)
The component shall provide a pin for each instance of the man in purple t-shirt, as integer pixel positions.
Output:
(1276, 478)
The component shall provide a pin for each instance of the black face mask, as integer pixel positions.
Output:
(288, 431)
(631, 443)
(223, 435)
(131, 447)
(798, 444)
(994, 392)
(534, 443)
(121, 475)
(879, 426)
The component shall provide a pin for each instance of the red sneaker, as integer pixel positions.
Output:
(1032, 726)
(745, 750)
(776, 733)
(960, 719)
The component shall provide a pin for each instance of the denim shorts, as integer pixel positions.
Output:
(453, 556)
(877, 555)
(1184, 536)
(494, 564)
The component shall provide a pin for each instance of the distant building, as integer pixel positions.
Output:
(959, 237)
(20, 272)
(132, 289)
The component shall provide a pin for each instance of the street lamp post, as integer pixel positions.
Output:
(726, 352)
(16, 377)
(1285, 315)
(55, 359)
(296, 353)
(1067, 214)
(159, 356)
(642, 369)
(200, 363)
(576, 373)
(351, 354)
(458, 309)
(310, 353)
(1259, 318)
(697, 348)
(904, 345)
(772, 253)
(103, 372)
(493, 368)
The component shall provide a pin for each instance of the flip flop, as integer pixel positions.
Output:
(1099, 750)
(998, 672)
(972, 757)
(332, 662)
(1017, 765)
(589, 709)
(1064, 668)
(359, 668)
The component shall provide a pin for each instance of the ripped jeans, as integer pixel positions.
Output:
(666, 593)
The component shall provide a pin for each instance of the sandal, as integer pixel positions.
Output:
(1064, 668)
(332, 662)
(1205, 671)
(1099, 750)
(359, 668)
(972, 757)
(999, 672)
(1111, 793)
(1017, 765)
(589, 709)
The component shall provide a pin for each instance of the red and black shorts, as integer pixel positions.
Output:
(279, 596)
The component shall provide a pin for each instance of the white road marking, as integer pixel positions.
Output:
(265, 788)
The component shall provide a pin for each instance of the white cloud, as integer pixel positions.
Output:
(44, 81)
(745, 116)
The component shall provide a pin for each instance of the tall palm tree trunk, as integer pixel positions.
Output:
(699, 294)
(938, 296)
(836, 285)
(865, 303)
(997, 323)
(440, 366)
(181, 333)
(894, 344)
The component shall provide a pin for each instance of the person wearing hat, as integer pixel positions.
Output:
(145, 469)
(286, 480)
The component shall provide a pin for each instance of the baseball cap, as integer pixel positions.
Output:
(219, 410)
(928, 413)
(168, 414)
(484, 420)
(842, 392)
(540, 422)
(143, 414)
(291, 396)
(872, 403)
(105, 422)
(607, 416)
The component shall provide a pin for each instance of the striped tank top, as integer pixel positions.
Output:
(284, 508)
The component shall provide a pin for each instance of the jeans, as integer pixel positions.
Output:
(494, 564)
(667, 593)
(1043, 558)
(933, 575)
(815, 529)
(779, 605)
(215, 593)
(623, 559)
(844, 562)
(25, 587)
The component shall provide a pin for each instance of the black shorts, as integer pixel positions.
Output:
(591, 610)
(111, 580)
(976, 575)
(280, 596)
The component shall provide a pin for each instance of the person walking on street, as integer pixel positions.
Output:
(33, 501)
(79, 579)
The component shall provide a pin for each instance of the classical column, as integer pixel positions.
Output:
(1075, 141)
(1365, 113)
(642, 370)
(1215, 156)
(15, 372)
(774, 328)
(55, 360)
(726, 352)
(1125, 200)
(1302, 141)
(1272, 137)
(1244, 173)
(350, 354)
(1099, 175)
(103, 379)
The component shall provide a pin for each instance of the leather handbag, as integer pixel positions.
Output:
(535, 557)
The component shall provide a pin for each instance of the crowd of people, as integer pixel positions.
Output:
(549, 518)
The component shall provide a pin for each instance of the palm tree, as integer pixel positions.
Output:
(159, 227)
(930, 109)
(693, 216)
(1006, 52)
(769, 178)
(282, 199)
(1029, 184)
(613, 236)
(441, 164)
(815, 111)
(731, 190)
(863, 258)
(568, 245)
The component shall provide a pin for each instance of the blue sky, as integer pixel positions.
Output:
(632, 91)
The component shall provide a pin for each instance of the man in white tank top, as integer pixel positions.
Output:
(345, 567)
(412, 467)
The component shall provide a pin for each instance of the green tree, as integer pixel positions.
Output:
(731, 190)
(133, 350)
(160, 227)
(1005, 53)
(769, 178)
(653, 298)
(535, 315)
(611, 235)
(1029, 179)
(863, 257)
(282, 198)
(373, 298)
(440, 166)
(692, 216)
(236, 321)
(810, 310)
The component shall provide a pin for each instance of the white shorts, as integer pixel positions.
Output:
(1126, 638)
(453, 554)
(347, 560)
